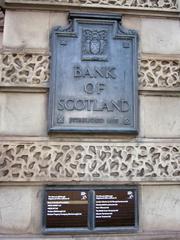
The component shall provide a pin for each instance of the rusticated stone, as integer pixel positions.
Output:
(25, 70)
(155, 73)
(171, 4)
(39, 161)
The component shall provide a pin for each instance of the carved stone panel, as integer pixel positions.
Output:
(93, 76)
(76, 162)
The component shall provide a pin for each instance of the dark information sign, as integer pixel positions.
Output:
(67, 209)
(90, 210)
(115, 208)
(93, 76)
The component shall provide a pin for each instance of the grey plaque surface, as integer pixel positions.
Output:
(93, 76)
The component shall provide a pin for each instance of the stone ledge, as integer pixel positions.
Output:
(73, 161)
(138, 236)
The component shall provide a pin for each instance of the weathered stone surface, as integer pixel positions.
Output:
(160, 36)
(1, 39)
(131, 22)
(57, 19)
(30, 29)
(139, 236)
(25, 70)
(170, 4)
(132, 3)
(32, 70)
(36, 208)
(161, 208)
(23, 114)
(159, 74)
(66, 162)
(159, 117)
(26, 29)
(19, 210)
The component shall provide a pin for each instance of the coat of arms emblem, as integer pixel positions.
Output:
(94, 45)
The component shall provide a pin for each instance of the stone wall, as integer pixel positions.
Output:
(30, 158)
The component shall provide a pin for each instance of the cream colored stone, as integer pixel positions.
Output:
(57, 19)
(159, 117)
(20, 209)
(132, 22)
(19, 206)
(160, 36)
(102, 236)
(178, 4)
(26, 29)
(36, 209)
(2, 105)
(30, 29)
(30, 160)
(23, 114)
(162, 4)
(1, 39)
(161, 208)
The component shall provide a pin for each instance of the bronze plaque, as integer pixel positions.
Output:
(65, 209)
(93, 76)
(115, 208)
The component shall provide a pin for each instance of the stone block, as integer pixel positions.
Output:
(26, 29)
(159, 117)
(133, 23)
(30, 29)
(19, 207)
(57, 19)
(130, 22)
(23, 114)
(160, 208)
(160, 36)
(36, 209)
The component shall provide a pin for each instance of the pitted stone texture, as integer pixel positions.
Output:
(23, 114)
(25, 69)
(32, 70)
(161, 208)
(171, 4)
(154, 73)
(53, 161)
(18, 206)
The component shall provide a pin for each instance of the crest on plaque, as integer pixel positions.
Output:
(94, 45)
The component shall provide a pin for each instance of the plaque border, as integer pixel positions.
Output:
(119, 32)
(91, 213)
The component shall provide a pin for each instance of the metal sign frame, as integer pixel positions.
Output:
(91, 228)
